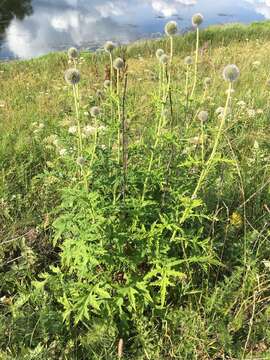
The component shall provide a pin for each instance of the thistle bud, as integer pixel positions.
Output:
(72, 76)
(197, 19)
(188, 60)
(231, 73)
(118, 64)
(109, 46)
(164, 59)
(95, 111)
(203, 116)
(73, 53)
(159, 53)
(171, 28)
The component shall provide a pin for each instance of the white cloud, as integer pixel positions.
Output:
(262, 7)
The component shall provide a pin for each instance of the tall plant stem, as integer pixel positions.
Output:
(119, 113)
(124, 141)
(80, 142)
(196, 62)
(111, 77)
(186, 91)
(171, 53)
(75, 95)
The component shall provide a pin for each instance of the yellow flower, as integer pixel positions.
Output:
(236, 219)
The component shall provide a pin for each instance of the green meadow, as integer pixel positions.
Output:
(135, 201)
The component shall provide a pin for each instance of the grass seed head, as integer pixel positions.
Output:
(159, 53)
(171, 28)
(188, 60)
(73, 53)
(109, 46)
(72, 76)
(231, 73)
(118, 64)
(197, 19)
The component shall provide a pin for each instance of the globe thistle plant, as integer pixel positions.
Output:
(95, 111)
(107, 84)
(171, 28)
(197, 19)
(203, 116)
(188, 60)
(118, 64)
(73, 55)
(164, 59)
(159, 53)
(72, 76)
(109, 47)
(231, 73)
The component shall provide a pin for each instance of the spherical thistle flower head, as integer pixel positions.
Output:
(231, 73)
(107, 83)
(95, 111)
(203, 116)
(188, 60)
(80, 161)
(72, 76)
(118, 64)
(207, 81)
(164, 59)
(73, 53)
(171, 28)
(159, 53)
(109, 46)
(197, 19)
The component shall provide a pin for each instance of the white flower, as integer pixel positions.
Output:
(102, 128)
(256, 64)
(241, 103)
(219, 110)
(62, 152)
(260, 111)
(89, 130)
(72, 130)
(251, 113)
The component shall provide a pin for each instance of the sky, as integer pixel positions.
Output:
(58, 24)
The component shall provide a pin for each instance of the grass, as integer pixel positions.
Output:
(215, 303)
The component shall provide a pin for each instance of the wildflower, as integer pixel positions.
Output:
(231, 91)
(236, 219)
(95, 111)
(41, 126)
(231, 73)
(89, 130)
(197, 19)
(159, 53)
(62, 152)
(164, 59)
(80, 161)
(188, 60)
(203, 116)
(72, 76)
(73, 53)
(101, 128)
(72, 130)
(171, 28)
(241, 103)
(251, 113)
(109, 46)
(256, 145)
(2, 103)
(207, 82)
(260, 111)
(219, 110)
(256, 64)
(107, 83)
(118, 64)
